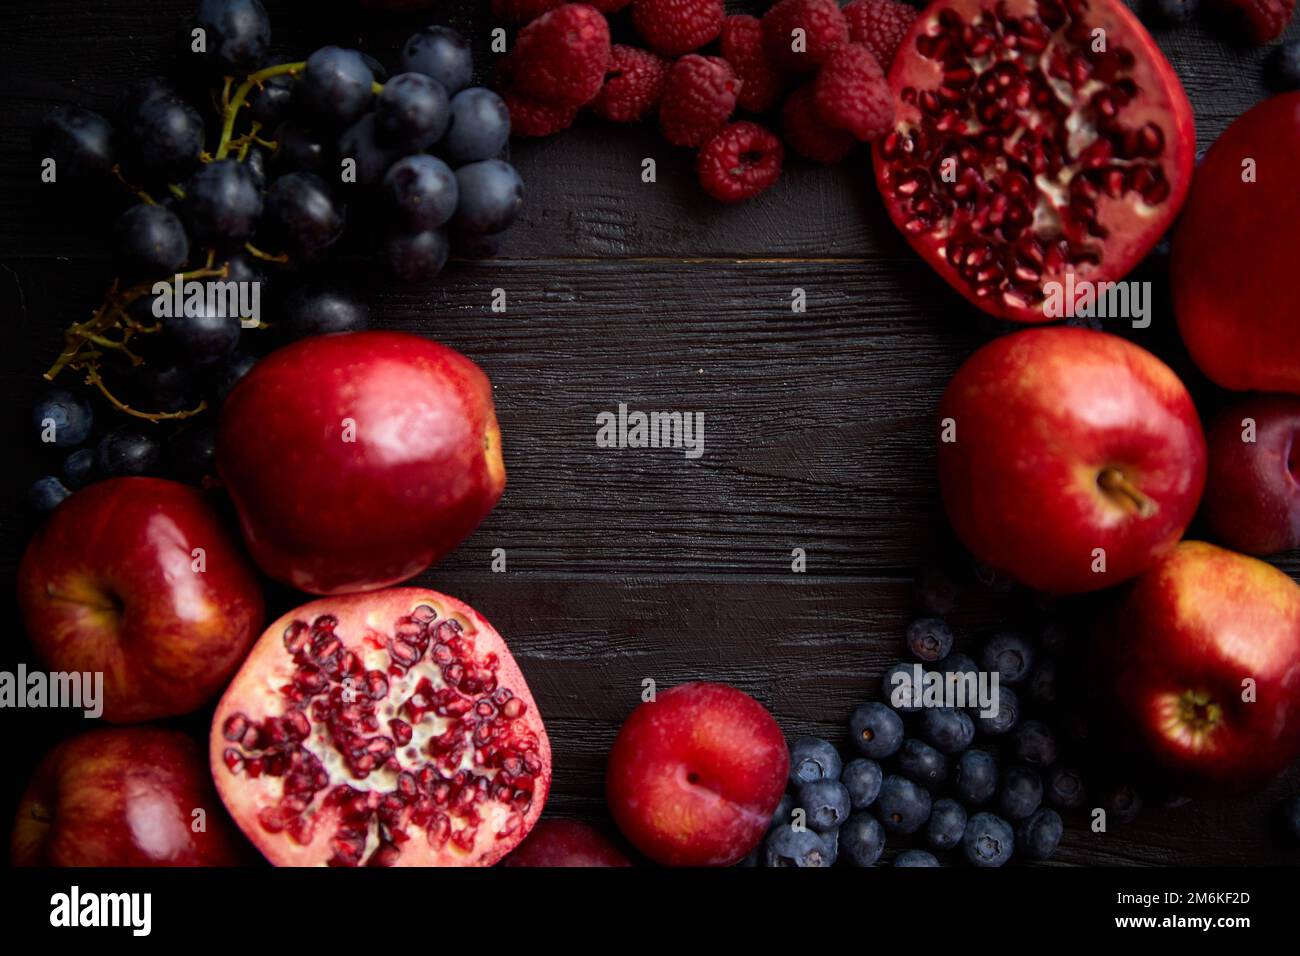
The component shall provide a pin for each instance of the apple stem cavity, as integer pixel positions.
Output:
(1113, 482)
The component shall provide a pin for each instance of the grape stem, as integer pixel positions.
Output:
(236, 102)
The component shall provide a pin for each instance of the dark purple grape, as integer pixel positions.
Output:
(151, 241)
(299, 149)
(412, 112)
(205, 338)
(301, 214)
(124, 452)
(419, 257)
(442, 53)
(421, 193)
(165, 136)
(337, 85)
(222, 203)
(233, 372)
(479, 127)
(238, 34)
(361, 145)
(191, 453)
(255, 162)
(271, 103)
(79, 141)
(79, 468)
(491, 196)
(317, 311)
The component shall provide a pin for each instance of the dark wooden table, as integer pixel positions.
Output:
(627, 565)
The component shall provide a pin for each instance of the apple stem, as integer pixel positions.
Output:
(1113, 482)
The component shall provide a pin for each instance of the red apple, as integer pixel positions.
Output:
(1069, 459)
(695, 775)
(1234, 250)
(138, 579)
(1192, 630)
(1252, 492)
(565, 843)
(356, 460)
(124, 797)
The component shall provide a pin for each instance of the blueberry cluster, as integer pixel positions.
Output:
(939, 782)
(255, 198)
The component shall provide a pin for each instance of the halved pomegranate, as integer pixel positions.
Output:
(387, 729)
(1034, 138)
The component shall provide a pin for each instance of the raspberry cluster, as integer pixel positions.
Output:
(819, 70)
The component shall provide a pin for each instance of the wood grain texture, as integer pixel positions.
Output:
(628, 565)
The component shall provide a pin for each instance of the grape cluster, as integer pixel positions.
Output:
(258, 196)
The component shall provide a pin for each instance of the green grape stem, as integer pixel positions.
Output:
(237, 101)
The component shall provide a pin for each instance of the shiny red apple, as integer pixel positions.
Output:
(138, 579)
(565, 843)
(356, 460)
(1252, 491)
(695, 775)
(1206, 652)
(129, 796)
(1069, 459)
(1235, 249)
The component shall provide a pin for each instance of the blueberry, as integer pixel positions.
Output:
(921, 763)
(976, 776)
(1035, 744)
(826, 802)
(813, 759)
(1064, 788)
(1285, 66)
(421, 193)
(191, 454)
(1010, 655)
(862, 839)
(337, 85)
(319, 310)
(1042, 682)
(237, 34)
(222, 203)
(949, 729)
(904, 807)
(876, 730)
(831, 838)
(1123, 804)
(947, 824)
(900, 689)
(46, 493)
(929, 638)
(491, 196)
(62, 419)
(236, 367)
(1176, 11)
(915, 858)
(412, 112)
(150, 240)
(1039, 834)
(79, 141)
(988, 840)
(1021, 793)
(124, 451)
(418, 257)
(441, 53)
(1007, 716)
(862, 778)
(79, 468)
(787, 846)
(959, 664)
(1290, 811)
(784, 807)
(480, 127)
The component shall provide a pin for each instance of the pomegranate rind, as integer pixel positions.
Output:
(365, 625)
(1009, 283)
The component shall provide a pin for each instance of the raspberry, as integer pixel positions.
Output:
(824, 29)
(560, 58)
(1258, 20)
(699, 96)
(739, 162)
(633, 84)
(674, 27)
(531, 118)
(807, 135)
(880, 26)
(522, 11)
(742, 47)
(850, 93)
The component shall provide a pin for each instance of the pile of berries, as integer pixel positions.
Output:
(249, 201)
(817, 69)
(1256, 22)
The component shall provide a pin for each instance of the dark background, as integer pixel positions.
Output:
(626, 565)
